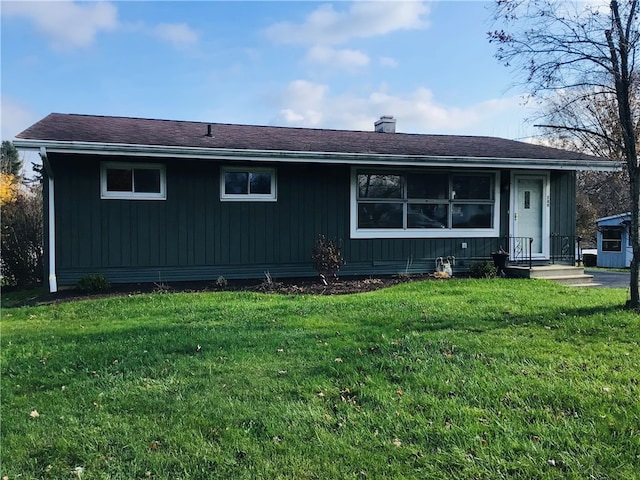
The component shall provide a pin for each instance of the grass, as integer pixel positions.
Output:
(458, 379)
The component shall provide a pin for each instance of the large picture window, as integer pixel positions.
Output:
(612, 240)
(423, 204)
(132, 181)
(242, 184)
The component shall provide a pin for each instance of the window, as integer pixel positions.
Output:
(133, 181)
(423, 204)
(241, 184)
(612, 240)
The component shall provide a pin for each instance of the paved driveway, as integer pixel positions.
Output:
(610, 279)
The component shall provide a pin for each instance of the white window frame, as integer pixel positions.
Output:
(110, 195)
(609, 239)
(248, 197)
(372, 233)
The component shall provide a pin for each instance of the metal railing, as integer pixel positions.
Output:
(519, 249)
(566, 248)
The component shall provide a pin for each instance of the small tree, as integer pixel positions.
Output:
(21, 239)
(327, 258)
(10, 161)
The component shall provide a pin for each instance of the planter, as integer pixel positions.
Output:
(500, 262)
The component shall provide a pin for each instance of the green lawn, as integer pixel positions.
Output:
(457, 379)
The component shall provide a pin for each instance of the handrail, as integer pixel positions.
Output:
(520, 249)
(565, 248)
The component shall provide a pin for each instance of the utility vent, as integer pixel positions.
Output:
(209, 131)
(386, 124)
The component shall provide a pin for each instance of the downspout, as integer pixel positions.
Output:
(51, 212)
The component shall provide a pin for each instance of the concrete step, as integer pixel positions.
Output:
(563, 274)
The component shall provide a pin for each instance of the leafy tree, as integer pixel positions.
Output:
(574, 51)
(21, 239)
(8, 188)
(10, 162)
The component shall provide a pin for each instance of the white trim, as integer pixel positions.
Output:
(248, 197)
(109, 195)
(546, 209)
(370, 233)
(164, 151)
(51, 213)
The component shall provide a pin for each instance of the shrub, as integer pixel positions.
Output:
(94, 282)
(327, 258)
(21, 258)
(484, 269)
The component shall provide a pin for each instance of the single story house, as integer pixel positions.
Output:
(614, 246)
(142, 200)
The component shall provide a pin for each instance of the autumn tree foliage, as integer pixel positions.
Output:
(21, 238)
(573, 54)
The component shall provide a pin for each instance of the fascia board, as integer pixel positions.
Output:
(314, 157)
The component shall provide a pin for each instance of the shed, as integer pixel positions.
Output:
(614, 246)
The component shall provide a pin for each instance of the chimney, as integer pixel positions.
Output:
(386, 124)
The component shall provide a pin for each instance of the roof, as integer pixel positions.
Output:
(611, 220)
(104, 133)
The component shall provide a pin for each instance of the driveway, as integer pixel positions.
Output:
(609, 279)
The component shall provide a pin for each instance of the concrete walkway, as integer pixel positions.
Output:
(609, 279)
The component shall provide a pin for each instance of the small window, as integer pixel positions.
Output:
(242, 184)
(612, 240)
(133, 181)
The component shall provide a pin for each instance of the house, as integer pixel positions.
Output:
(142, 200)
(614, 245)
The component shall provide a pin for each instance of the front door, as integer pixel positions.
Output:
(530, 216)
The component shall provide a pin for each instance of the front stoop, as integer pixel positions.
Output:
(563, 274)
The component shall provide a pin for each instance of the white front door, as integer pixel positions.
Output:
(530, 218)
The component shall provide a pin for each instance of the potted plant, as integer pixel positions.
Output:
(500, 259)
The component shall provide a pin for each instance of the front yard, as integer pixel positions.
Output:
(454, 379)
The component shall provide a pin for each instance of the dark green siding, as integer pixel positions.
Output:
(193, 235)
(563, 203)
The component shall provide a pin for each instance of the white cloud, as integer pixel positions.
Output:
(387, 62)
(347, 59)
(327, 26)
(68, 24)
(178, 34)
(304, 104)
(307, 104)
(15, 118)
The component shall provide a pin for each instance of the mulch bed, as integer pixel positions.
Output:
(293, 286)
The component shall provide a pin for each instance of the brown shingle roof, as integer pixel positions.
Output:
(172, 133)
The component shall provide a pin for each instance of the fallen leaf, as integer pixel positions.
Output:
(397, 442)
(199, 348)
(535, 439)
(606, 389)
(399, 393)
(34, 414)
(338, 360)
(321, 395)
(155, 444)
(551, 462)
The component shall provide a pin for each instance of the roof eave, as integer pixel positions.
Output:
(96, 148)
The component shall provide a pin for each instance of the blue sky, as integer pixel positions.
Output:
(312, 64)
